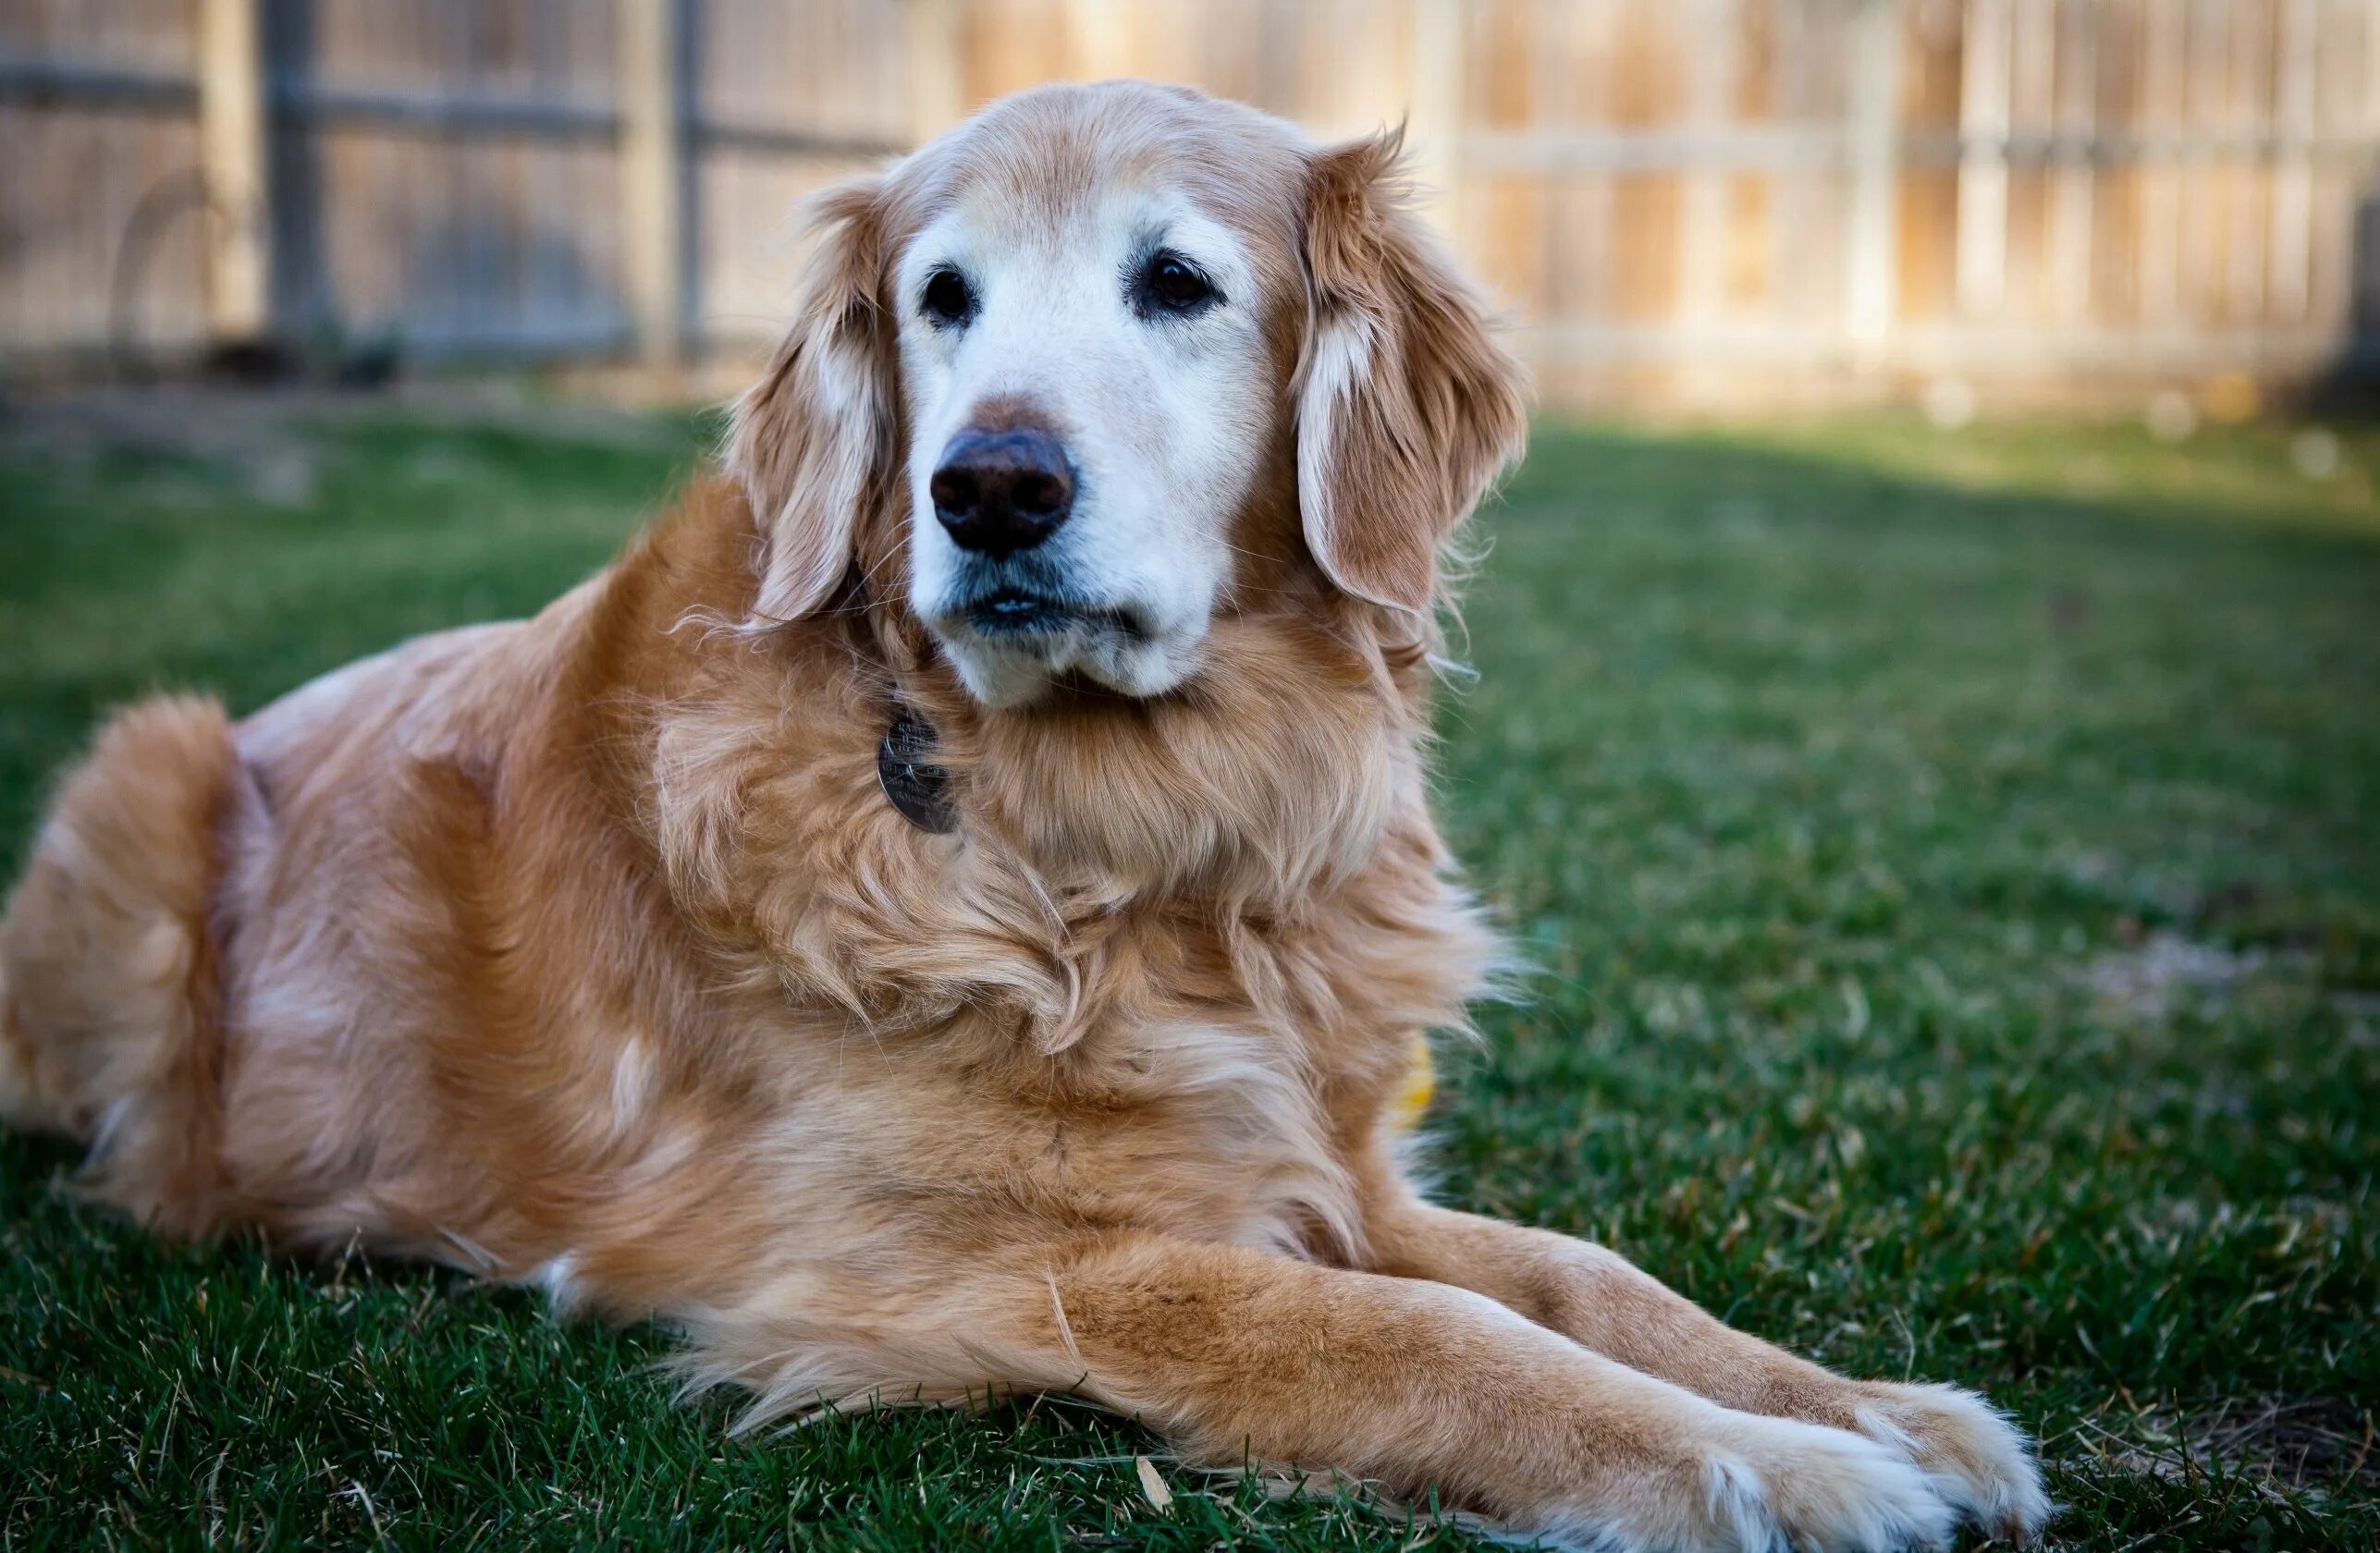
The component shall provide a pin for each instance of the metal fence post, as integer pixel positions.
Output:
(231, 156)
(652, 192)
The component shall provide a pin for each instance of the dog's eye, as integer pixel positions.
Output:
(1170, 284)
(947, 301)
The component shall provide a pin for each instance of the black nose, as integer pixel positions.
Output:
(999, 492)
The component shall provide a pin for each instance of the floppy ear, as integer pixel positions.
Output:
(810, 441)
(1405, 408)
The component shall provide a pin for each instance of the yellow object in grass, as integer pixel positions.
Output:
(1420, 1083)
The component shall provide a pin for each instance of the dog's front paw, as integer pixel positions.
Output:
(1973, 1456)
(1751, 1484)
(1779, 1484)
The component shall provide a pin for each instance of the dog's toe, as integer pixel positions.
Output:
(1975, 1458)
(1814, 1486)
(1750, 1483)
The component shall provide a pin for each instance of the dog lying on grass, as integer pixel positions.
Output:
(950, 910)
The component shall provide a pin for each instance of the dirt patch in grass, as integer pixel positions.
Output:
(2165, 973)
(2287, 1446)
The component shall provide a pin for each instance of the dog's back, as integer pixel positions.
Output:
(115, 990)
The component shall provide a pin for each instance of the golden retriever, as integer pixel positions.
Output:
(950, 911)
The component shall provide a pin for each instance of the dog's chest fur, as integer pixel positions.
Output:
(1207, 1036)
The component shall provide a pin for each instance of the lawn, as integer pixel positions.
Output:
(1951, 863)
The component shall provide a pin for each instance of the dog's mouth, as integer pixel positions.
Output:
(1015, 630)
(1014, 613)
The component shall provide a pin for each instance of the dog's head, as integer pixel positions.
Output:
(1108, 361)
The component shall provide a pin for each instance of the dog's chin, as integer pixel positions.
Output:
(1009, 653)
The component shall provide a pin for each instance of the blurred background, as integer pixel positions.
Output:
(1960, 203)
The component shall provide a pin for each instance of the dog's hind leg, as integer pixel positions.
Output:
(109, 997)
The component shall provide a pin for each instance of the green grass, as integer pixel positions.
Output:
(1952, 865)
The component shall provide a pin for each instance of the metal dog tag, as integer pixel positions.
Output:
(911, 783)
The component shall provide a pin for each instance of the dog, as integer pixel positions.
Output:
(950, 910)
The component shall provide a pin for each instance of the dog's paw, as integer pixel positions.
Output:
(1975, 1458)
(1778, 1484)
(1759, 1485)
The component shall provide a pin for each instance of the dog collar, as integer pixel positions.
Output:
(912, 782)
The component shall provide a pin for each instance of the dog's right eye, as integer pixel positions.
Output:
(948, 301)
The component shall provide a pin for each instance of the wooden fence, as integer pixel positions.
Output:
(1687, 199)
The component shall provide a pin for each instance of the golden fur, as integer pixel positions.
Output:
(585, 951)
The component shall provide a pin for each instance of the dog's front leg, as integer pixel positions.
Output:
(1976, 1461)
(1419, 1386)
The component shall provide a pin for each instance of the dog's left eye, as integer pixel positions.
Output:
(1170, 284)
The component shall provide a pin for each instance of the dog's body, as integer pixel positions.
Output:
(612, 950)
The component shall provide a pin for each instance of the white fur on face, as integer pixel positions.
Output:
(1162, 418)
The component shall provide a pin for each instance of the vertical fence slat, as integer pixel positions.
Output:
(1983, 117)
(2075, 68)
(1711, 64)
(1100, 35)
(231, 156)
(2246, 83)
(1434, 97)
(2291, 229)
(2164, 77)
(1871, 270)
(932, 78)
(651, 204)
(2205, 197)
(2031, 122)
